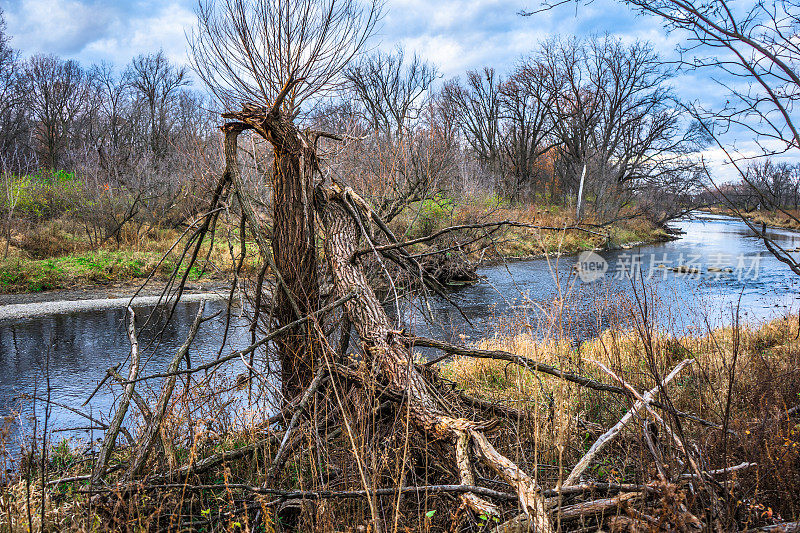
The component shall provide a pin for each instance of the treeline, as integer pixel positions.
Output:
(106, 145)
(143, 141)
(764, 185)
(573, 107)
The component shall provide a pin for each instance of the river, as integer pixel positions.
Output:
(733, 272)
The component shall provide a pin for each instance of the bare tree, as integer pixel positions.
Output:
(114, 140)
(390, 94)
(527, 111)
(478, 110)
(57, 93)
(616, 116)
(248, 52)
(390, 90)
(279, 54)
(156, 82)
(14, 125)
(753, 51)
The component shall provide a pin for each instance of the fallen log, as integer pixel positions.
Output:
(325, 494)
(392, 358)
(521, 523)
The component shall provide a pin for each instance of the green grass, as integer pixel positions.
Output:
(102, 267)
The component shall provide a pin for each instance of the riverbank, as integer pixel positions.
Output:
(743, 384)
(52, 259)
(743, 379)
(773, 219)
(60, 302)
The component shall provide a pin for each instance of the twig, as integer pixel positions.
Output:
(136, 397)
(722, 471)
(163, 400)
(301, 405)
(274, 333)
(786, 527)
(482, 225)
(119, 416)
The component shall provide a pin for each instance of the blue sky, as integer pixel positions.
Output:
(456, 35)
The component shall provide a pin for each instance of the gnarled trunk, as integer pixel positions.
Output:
(294, 250)
(293, 241)
(391, 355)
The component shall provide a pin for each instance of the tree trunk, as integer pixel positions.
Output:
(294, 250)
(390, 354)
(293, 241)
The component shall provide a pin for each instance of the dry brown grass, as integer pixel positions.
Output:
(759, 366)
(777, 219)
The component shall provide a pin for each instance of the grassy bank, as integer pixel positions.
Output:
(744, 379)
(425, 218)
(59, 253)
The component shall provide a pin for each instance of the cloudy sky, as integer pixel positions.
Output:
(455, 35)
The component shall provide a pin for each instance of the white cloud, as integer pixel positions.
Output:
(62, 27)
(99, 30)
(455, 35)
(163, 30)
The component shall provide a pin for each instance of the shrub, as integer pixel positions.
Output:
(46, 194)
(431, 212)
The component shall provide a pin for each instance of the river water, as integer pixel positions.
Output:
(544, 295)
(734, 271)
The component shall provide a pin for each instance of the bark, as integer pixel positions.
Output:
(294, 250)
(390, 355)
(293, 238)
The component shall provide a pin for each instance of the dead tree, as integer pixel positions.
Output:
(280, 53)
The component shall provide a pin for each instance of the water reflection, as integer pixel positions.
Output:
(82, 346)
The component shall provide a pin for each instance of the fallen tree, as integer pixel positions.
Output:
(386, 372)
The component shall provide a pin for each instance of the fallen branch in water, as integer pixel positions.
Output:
(479, 225)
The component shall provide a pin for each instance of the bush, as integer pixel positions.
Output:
(431, 212)
(45, 195)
